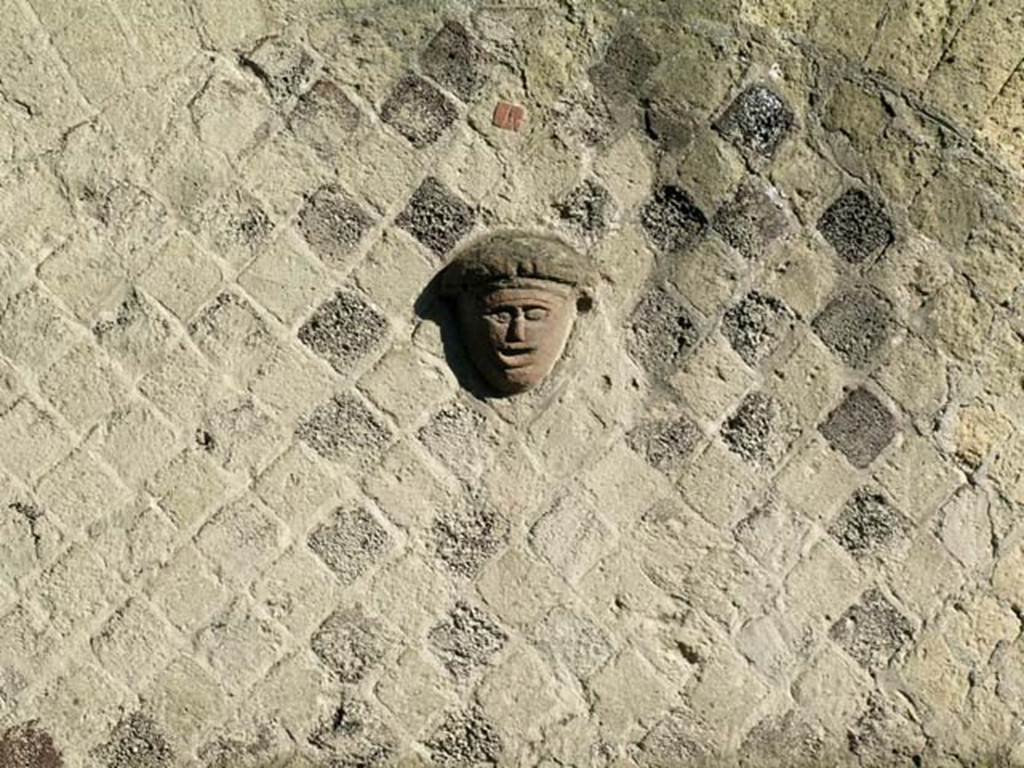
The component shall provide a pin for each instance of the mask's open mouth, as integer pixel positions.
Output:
(515, 356)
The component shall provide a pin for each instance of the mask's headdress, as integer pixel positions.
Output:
(511, 258)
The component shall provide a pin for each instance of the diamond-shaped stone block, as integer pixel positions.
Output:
(751, 221)
(661, 333)
(137, 742)
(860, 428)
(756, 326)
(586, 208)
(345, 430)
(349, 542)
(455, 60)
(466, 639)
(869, 524)
(436, 216)
(665, 443)
(333, 223)
(754, 431)
(626, 65)
(857, 226)
(465, 738)
(872, 631)
(344, 330)
(349, 643)
(324, 117)
(672, 220)
(855, 325)
(757, 120)
(418, 111)
(466, 538)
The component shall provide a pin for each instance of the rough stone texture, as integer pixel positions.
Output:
(758, 120)
(466, 639)
(860, 428)
(455, 60)
(349, 643)
(755, 431)
(662, 332)
(750, 222)
(465, 738)
(26, 745)
(349, 542)
(756, 326)
(666, 444)
(344, 330)
(768, 510)
(436, 217)
(418, 111)
(137, 742)
(672, 219)
(872, 631)
(586, 209)
(868, 524)
(856, 324)
(856, 226)
(466, 538)
(332, 224)
(344, 429)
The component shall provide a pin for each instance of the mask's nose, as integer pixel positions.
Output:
(517, 328)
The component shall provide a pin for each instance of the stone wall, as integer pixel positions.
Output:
(254, 510)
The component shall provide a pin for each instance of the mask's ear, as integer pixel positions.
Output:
(585, 299)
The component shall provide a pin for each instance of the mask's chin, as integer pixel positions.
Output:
(512, 380)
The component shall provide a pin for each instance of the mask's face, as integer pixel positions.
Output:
(515, 335)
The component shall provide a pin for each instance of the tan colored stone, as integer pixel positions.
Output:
(520, 694)
(710, 276)
(961, 322)
(714, 380)
(816, 481)
(915, 376)
(980, 428)
(979, 62)
(416, 690)
(918, 478)
(627, 692)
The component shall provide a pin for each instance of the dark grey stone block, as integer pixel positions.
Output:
(466, 639)
(757, 120)
(869, 525)
(857, 226)
(665, 444)
(672, 220)
(873, 631)
(455, 60)
(855, 325)
(860, 428)
(332, 223)
(344, 330)
(661, 333)
(436, 216)
(418, 111)
(756, 326)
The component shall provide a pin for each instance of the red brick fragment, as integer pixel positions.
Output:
(509, 116)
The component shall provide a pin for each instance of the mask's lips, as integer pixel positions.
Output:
(515, 356)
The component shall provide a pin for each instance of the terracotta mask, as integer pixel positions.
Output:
(516, 298)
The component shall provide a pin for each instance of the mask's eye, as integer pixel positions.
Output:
(501, 315)
(535, 313)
